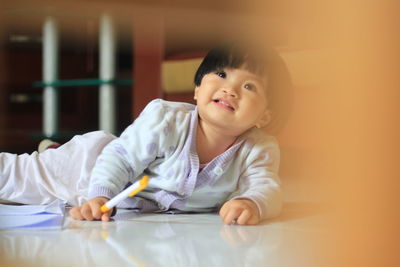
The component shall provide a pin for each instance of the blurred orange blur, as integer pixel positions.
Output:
(343, 131)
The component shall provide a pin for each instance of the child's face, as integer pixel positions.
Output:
(234, 100)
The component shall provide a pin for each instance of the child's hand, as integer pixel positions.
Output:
(91, 210)
(244, 211)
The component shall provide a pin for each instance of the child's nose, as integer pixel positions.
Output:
(230, 91)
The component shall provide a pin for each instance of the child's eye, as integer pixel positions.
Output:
(221, 74)
(250, 86)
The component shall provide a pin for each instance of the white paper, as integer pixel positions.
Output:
(32, 216)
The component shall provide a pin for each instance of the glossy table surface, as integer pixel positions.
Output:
(296, 238)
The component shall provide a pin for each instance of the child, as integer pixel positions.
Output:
(199, 158)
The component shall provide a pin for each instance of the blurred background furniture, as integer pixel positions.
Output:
(158, 47)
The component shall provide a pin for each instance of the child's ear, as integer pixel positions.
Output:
(264, 120)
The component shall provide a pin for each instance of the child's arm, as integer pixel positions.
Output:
(124, 159)
(90, 210)
(241, 211)
(259, 182)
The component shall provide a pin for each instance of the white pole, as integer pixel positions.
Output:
(50, 74)
(107, 112)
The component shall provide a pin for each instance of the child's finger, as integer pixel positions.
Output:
(253, 220)
(95, 207)
(106, 216)
(86, 212)
(75, 213)
(231, 216)
(222, 211)
(244, 217)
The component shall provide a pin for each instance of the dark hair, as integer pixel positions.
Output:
(230, 56)
(262, 61)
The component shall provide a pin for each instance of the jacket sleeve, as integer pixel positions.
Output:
(126, 157)
(259, 181)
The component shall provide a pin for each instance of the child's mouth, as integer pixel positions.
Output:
(224, 104)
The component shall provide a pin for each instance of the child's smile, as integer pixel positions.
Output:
(224, 103)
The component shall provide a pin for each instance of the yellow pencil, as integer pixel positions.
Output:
(128, 192)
